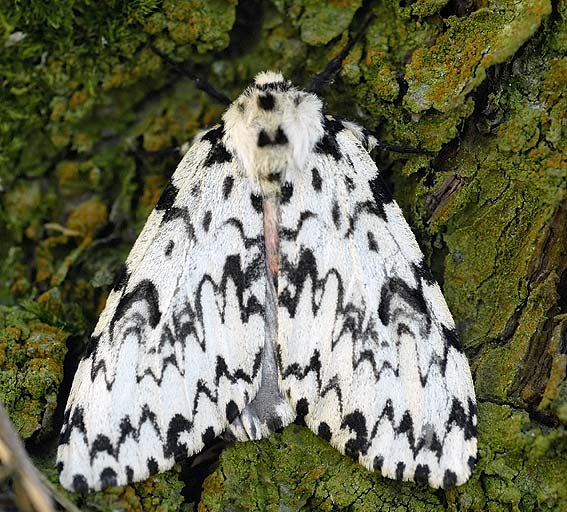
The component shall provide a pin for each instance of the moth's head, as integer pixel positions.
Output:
(272, 127)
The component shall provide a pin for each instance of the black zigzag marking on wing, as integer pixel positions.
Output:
(122, 278)
(458, 417)
(362, 208)
(397, 288)
(182, 213)
(292, 234)
(334, 384)
(297, 274)
(144, 291)
(203, 389)
(185, 323)
(167, 197)
(298, 371)
(98, 364)
(170, 212)
(73, 418)
(353, 315)
(257, 241)
(242, 279)
(380, 191)
(102, 443)
(177, 425)
(221, 370)
(168, 360)
(359, 445)
(381, 197)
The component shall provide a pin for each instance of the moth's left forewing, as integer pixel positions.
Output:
(176, 353)
(367, 345)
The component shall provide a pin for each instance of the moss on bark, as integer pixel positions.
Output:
(482, 83)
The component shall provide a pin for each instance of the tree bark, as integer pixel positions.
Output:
(483, 85)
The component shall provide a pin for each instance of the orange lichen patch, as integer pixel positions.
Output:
(88, 217)
(83, 142)
(374, 56)
(554, 85)
(58, 107)
(78, 98)
(67, 171)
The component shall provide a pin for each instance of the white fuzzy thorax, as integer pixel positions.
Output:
(297, 114)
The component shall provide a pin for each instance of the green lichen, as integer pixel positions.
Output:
(296, 470)
(31, 369)
(440, 77)
(320, 23)
(160, 493)
(522, 468)
(206, 24)
(483, 83)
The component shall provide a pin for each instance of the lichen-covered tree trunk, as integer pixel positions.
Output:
(85, 101)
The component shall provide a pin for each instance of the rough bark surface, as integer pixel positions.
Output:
(84, 101)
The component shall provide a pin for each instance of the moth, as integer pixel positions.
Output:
(275, 279)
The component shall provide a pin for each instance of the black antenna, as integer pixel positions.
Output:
(200, 84)
(332, 67)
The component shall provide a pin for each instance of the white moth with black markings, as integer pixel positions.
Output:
(275, 279)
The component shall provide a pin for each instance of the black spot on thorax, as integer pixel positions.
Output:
(266, 101)
(264, 139)
(279, 139)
